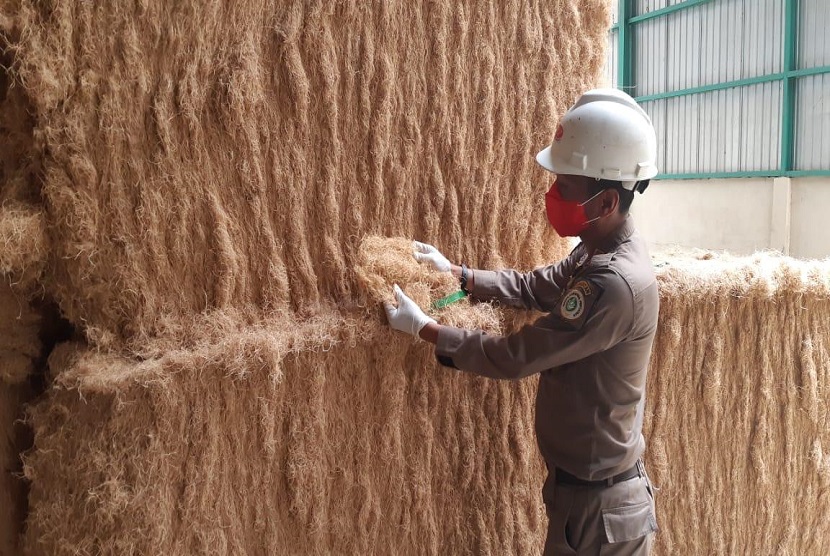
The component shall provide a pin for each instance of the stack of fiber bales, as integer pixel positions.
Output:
(12, 487)
(23, 244)
(230, 156)
(19, 349)
(207, 172)
(315, 451)
(207, 188)
(334, 435)
(22, 241)
(739, 390)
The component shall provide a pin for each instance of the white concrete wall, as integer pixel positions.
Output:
(740, 216)
(811, 218)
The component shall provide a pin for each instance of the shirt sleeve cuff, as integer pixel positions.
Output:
(485, 283)
(449, 338)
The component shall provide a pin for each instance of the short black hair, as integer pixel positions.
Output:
(626, 196)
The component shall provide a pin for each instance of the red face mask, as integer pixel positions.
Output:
(568, 218)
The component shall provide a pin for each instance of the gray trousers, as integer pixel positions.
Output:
(617, 520)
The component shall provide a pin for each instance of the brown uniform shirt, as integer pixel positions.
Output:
(592, 350)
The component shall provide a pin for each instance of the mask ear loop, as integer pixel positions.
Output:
(582, 204)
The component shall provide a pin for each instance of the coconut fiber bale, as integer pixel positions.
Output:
(341, 437)
(737, 409)
(23, 239)
(19, 158)
(20, 345)
(23, 245)
(271, 439)
(12, 487)
(335, 435)
(20, 348)
(201, 156)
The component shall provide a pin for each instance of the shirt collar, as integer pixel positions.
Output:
(609, 246)
(618, 237)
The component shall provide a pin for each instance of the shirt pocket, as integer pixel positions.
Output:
(627, 523)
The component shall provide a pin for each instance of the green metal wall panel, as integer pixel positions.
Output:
(722, 82)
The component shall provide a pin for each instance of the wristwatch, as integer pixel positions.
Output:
(464, 279)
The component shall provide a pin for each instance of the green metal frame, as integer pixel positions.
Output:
(788, 100)
(625, 46)
(786, 75)
(789, 76)
(625, 6)
(747, 174)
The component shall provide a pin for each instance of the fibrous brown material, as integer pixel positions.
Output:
(19, 156)
(23, 239)
(20, 348)
(737, 422)
(215, 156)
(385, 261)
(19, 342)
(205, 173)
(335, 435)
(23, 245)
(12, 490)
(357, 442)
(354, 445)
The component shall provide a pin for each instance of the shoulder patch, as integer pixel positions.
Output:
(573, 302)
(577, 303)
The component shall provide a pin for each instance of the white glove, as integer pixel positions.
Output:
(407, 316)
(427, 253)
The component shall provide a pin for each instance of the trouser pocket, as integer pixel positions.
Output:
(559, 540)
(626, 523)
(644, 474)
(628, 520)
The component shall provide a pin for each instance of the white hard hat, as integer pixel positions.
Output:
(605, 135)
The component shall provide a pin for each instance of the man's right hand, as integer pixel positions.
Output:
(427, 253)
(407, 316)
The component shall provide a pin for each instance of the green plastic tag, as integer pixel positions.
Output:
(449, 300)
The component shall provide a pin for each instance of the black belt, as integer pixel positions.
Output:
(565, 478)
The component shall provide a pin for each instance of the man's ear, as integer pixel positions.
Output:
(610, 202)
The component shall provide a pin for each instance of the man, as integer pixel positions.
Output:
(592, 347)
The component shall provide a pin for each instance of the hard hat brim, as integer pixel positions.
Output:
(545, 159)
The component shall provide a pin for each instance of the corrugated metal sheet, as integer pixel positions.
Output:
(683, 30)
(814, 24)
(721, 46)
(760, 123)
(610, 71)
(707, 44)
(738, 129)
(762, 50)
(721, 131)
(812, 143)
(646, 6)
(651, 57)
(656, 109)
